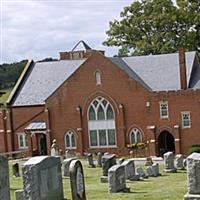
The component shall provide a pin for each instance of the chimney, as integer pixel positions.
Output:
(182, 69)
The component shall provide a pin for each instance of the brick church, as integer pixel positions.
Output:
(89, 103)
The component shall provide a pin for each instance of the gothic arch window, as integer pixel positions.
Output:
(98, 78)
(70, 140)
(101, 124)
(135, 136)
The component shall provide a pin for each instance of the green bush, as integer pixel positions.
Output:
(194, 148)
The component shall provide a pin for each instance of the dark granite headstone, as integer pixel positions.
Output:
(4, 179)
(77, 180)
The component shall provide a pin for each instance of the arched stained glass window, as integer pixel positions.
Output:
(101, 123)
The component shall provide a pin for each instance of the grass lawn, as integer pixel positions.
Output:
(169, 186)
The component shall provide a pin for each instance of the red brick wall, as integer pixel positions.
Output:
(119, 89)
(22, 117)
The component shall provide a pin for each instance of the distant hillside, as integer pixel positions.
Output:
(9, 74)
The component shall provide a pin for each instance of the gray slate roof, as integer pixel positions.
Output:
(43, 80)
(155, 73)
(160, 72)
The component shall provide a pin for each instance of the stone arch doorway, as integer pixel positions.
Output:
(166, 143)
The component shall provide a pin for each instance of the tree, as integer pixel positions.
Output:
(155, 27)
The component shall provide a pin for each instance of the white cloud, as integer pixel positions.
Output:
(39, 29)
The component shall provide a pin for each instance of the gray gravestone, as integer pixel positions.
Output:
(179, 161)
(193, 177)
(19, 194)
(130, 170)
(149, 171)
(42, 178)
(90, 160)
(108, 161)
(99, 159)
(65, 166)
(15, 168)
(169, 162)
(4, 179)
(155, 170)
(77, 181)
(121, 160)
(117, 179)
(141, 172)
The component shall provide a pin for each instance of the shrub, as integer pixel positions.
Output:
(194, 148)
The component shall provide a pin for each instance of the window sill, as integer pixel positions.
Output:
(23, 148)
(102, 147)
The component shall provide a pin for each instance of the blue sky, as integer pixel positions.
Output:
(36, 29)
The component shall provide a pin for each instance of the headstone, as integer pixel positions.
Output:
(179, 162)
(169, 162)
(54, 149)
(193, 177)
(117, 179)
(155, 170)
(42, 178)
(99, 159)
(15, 168)
(121, 160)
(90, 160)
(149, 161)
(77, 181)
(4, 179)
(130, 170)
(149, 171)
(65, 166)
(141, 172)
(107, 162)
(68, 154)
(19, 194)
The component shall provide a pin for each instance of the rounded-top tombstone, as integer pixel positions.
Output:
(77, 180)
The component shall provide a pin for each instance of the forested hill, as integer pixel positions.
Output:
(9, 73)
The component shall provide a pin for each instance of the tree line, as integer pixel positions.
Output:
(9, 73)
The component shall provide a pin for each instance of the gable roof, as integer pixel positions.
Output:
(81, 46)
(154, 72)
(43, 79)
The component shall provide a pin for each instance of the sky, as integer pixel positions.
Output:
(37, 29)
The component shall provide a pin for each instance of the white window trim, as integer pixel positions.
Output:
(24, 141)
(183, 126)
(135, 132)
(68, 133)
(161, 116)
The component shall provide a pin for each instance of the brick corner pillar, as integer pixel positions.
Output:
(152, 140)
(177, 139)
(79, 129)
(122, 127)
(9, 131)
(48, 131)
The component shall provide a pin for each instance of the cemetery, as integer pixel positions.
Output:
(61, 178)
